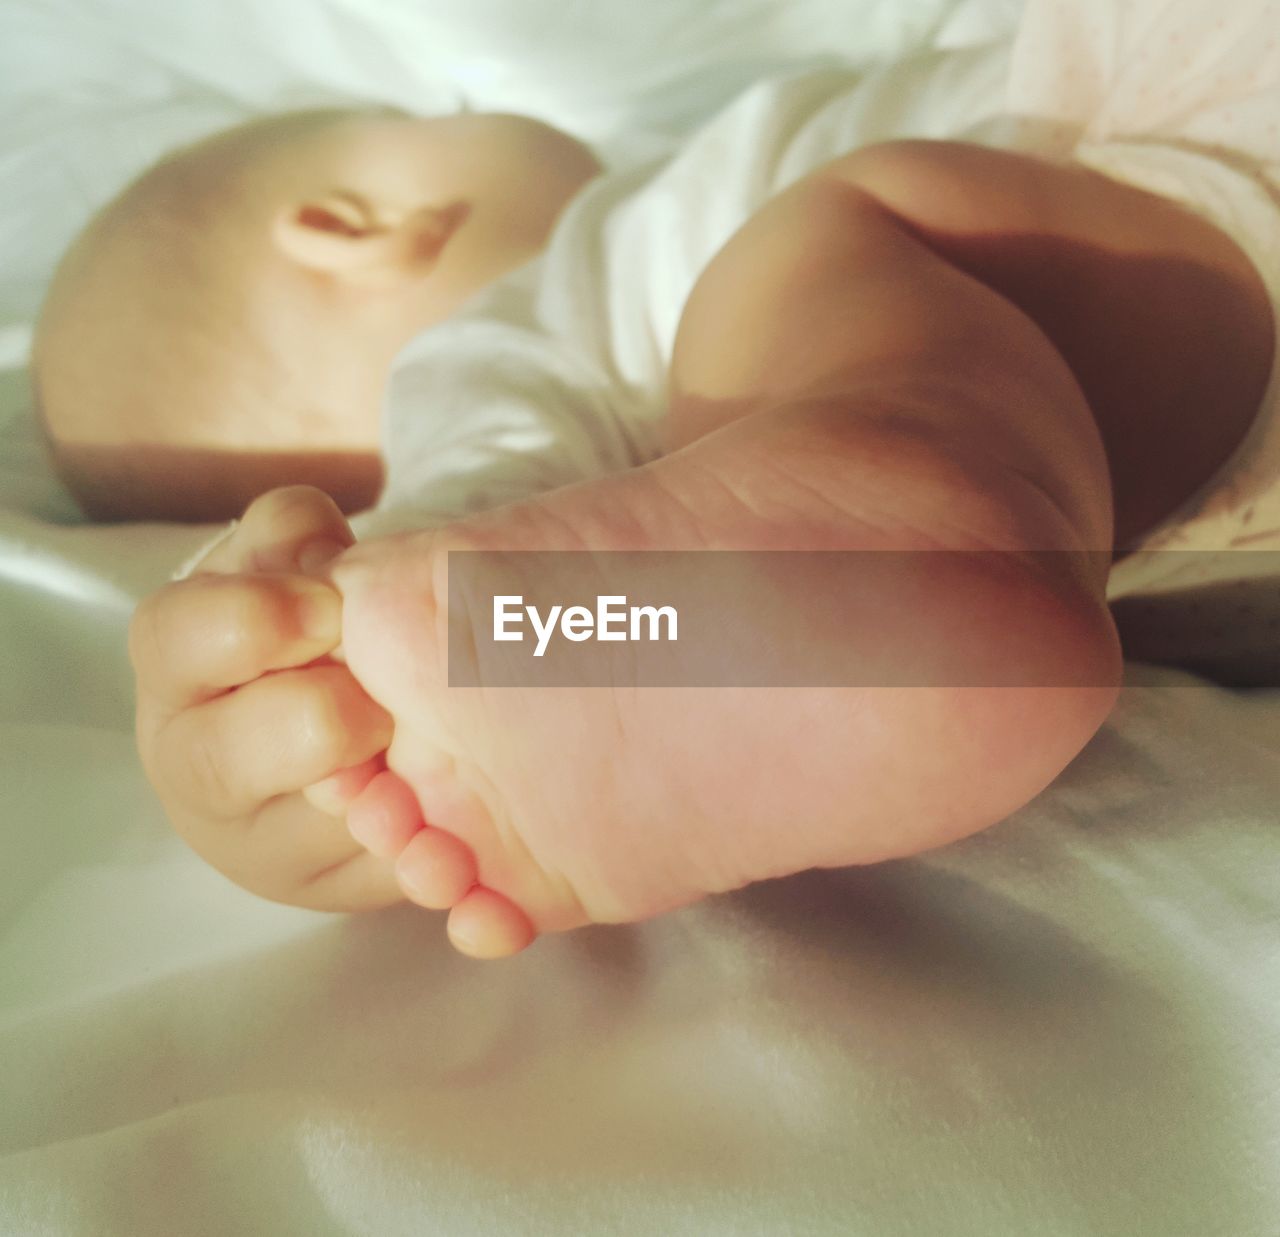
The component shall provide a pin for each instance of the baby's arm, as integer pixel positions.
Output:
(253, 739)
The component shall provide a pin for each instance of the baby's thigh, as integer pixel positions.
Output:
(1091, 260)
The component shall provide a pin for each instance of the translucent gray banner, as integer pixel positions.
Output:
(876, 618)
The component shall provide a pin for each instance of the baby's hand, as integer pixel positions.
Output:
(254, 740)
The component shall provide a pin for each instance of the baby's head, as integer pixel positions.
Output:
(228, 322)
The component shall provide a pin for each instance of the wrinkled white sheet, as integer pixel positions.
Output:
(1067, 1026)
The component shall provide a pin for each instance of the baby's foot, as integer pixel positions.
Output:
(537, 809)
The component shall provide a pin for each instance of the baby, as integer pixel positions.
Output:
(917, 345)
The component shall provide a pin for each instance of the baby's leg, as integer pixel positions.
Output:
(837, 385)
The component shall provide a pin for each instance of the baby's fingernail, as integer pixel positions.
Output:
(319, 611)
(317, 554)
(323, 796)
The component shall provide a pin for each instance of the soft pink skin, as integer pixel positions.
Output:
(710, 789)
(381, 816)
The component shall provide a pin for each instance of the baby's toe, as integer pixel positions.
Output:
(384, 816)
(436, 869)
(484, 924)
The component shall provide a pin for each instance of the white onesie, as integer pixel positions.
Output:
(558, 371)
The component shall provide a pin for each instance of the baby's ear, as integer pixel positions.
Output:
(343, 235)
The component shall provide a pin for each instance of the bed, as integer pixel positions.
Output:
(1066, 1026)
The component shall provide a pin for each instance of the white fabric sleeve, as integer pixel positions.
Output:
(481, 413)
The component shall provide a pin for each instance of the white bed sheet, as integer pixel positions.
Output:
(1069, 1025)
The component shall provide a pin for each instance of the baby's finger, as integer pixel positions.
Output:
(292, 855)
(199, 637)
(227, 757)
(334, 794)
(296, 527)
